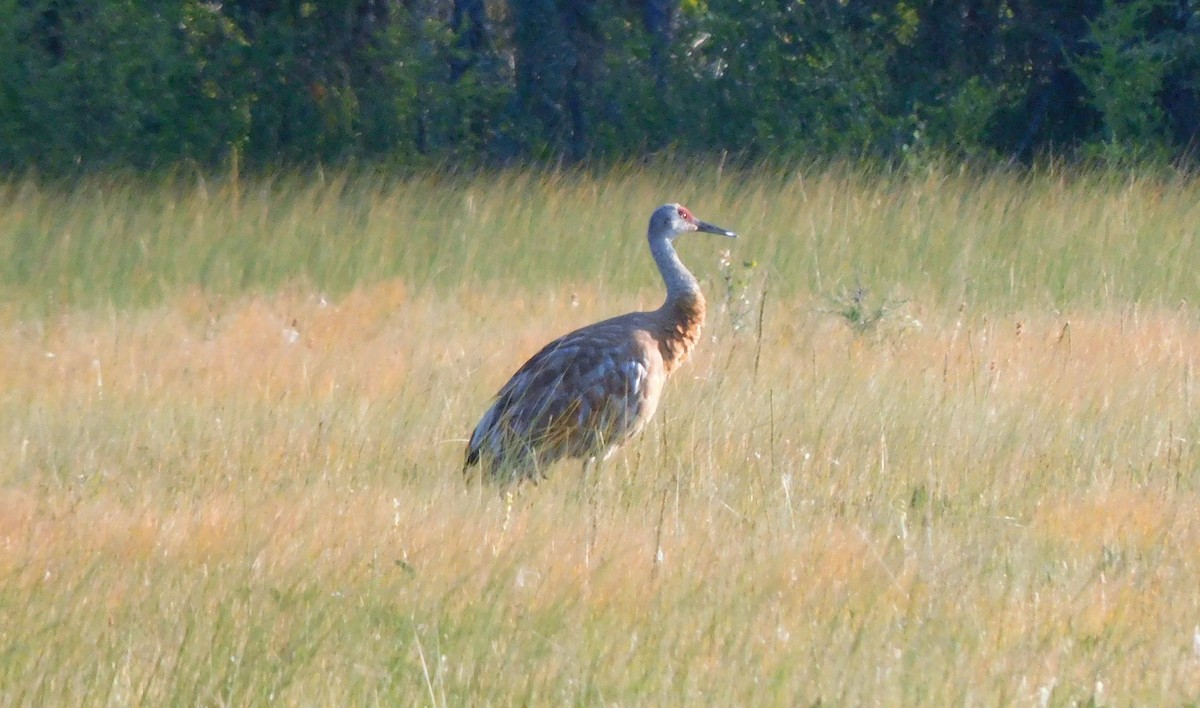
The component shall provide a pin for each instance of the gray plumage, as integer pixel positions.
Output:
(587, 392)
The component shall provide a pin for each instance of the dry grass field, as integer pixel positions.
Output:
(938, 446)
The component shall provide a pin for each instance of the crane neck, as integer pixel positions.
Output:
(681, 284)
(682, 315)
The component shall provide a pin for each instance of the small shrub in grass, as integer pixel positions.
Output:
(867, 315)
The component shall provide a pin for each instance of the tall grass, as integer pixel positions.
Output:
(1053, 239)
(232, 419)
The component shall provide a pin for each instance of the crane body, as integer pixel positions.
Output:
(585, 393)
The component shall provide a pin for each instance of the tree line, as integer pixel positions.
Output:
(150, 83)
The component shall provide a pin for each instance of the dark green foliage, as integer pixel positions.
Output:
(142, 84)
(124, 82)
(1133, 47)
(804, 78)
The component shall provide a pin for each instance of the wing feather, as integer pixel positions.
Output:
(579, 395)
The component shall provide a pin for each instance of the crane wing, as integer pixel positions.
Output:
(580, 395)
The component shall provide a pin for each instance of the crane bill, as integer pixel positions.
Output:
(712, 229)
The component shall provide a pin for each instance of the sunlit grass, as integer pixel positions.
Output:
(1050, 240)
(231, 458)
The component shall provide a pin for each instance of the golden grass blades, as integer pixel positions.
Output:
(247, 490)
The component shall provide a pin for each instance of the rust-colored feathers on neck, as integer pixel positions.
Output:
(678, 324)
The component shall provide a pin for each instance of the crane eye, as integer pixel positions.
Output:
(685, 214)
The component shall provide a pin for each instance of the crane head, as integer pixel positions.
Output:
(672, 220)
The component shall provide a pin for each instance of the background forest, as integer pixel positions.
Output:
(144, 83)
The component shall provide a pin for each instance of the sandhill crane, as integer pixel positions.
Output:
(587, 392)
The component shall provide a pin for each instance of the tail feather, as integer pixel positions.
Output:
(472, 459)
